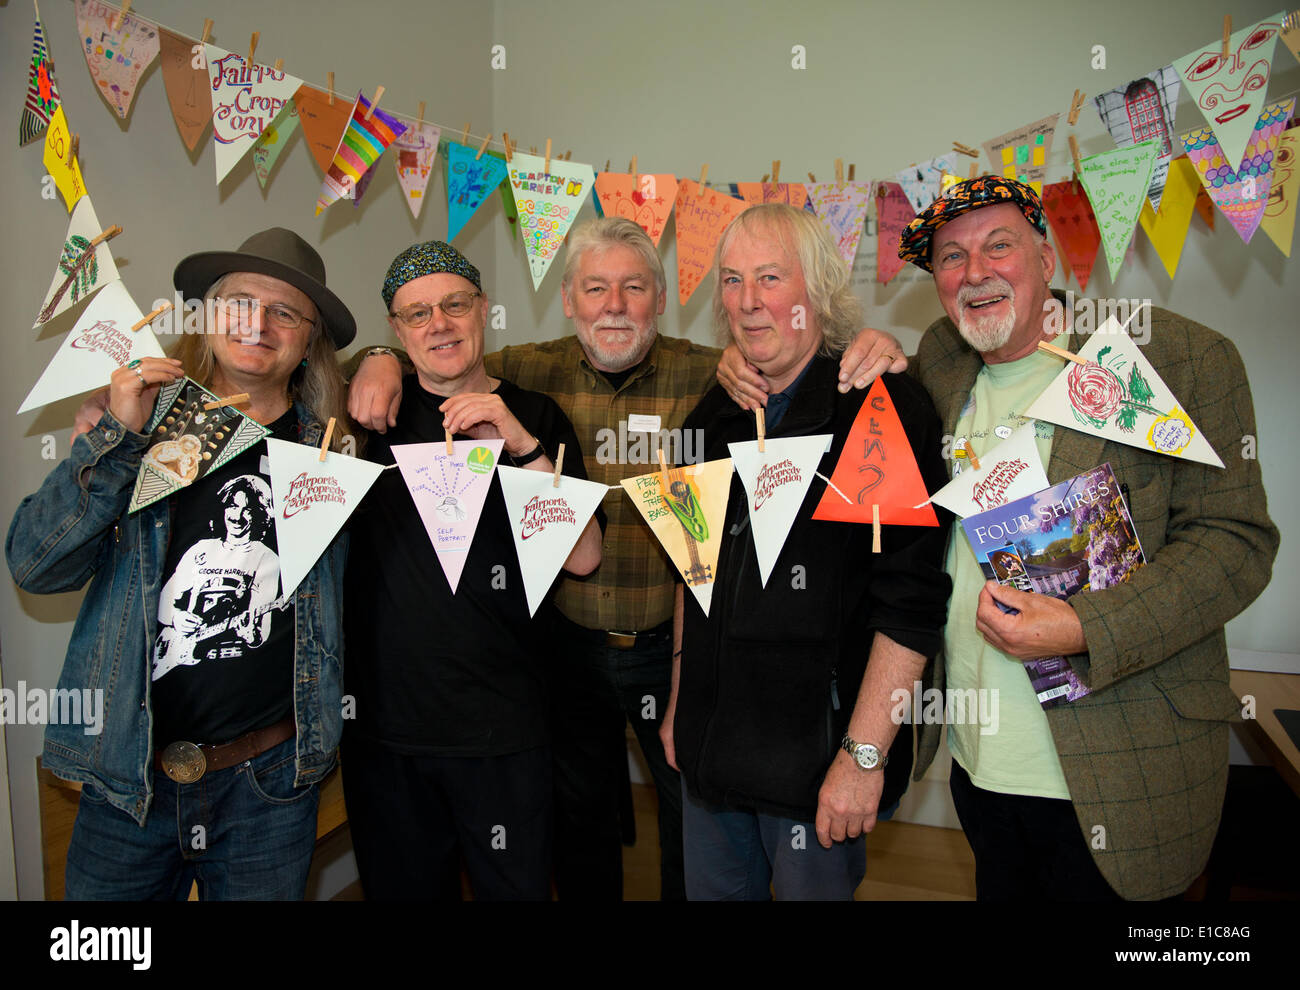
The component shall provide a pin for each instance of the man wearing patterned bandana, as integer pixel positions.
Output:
(448, 757)
(1118, 793)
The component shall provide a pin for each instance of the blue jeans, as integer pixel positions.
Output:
(736, 855)
(244, 833)
(595, 690)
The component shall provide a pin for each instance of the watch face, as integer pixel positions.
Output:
(868, 756)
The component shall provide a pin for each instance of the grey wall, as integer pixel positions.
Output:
(676, 84)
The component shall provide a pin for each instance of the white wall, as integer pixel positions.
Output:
(675, 83)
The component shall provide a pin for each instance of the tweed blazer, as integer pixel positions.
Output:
(1145, 755)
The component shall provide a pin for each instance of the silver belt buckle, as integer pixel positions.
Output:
(184, 762)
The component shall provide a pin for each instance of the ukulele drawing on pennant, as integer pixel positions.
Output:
(682, 499)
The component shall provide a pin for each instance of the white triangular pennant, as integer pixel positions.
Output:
(416, 150)
(313, 499)
(449, 493)
(100, 343)
(842, 209)
(1119, 396)
(545, 522)
(548, 202)
(776, 482)
(1010, 470)
(80, 272)
(244, 102)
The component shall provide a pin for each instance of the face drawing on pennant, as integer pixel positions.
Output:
(1229, 82)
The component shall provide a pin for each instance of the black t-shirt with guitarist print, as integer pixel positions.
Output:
(222, 661)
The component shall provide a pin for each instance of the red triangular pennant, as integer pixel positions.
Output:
(877, 467)
(1075, 228)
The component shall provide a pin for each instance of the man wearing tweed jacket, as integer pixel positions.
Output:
(1118, 793)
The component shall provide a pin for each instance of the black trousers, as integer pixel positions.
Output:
(415, 818)
(1026, 848)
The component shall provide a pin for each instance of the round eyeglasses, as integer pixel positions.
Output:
(417, 315)
(242, 308)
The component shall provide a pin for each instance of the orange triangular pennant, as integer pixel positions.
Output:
(322, 124)
(877, 467)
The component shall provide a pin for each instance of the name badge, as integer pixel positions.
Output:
(642, 424)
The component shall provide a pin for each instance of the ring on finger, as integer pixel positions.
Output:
(140, 375)
(136, 363)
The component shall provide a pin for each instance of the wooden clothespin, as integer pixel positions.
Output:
(812, 178)
(482, 147)
(325, 444)
(1074, 153)
(375, 102)
(704, 174)
(121, 15)
(761, 424)
(74, 146)
(230, 400)
(568, 155)
(150, 317)
(559, 463)
(451, 451)
(1227, 32)
(606, 164)
(776, 170)
(963, 149)
(970, 456)
(279, 65)
(546, 167)
(252, 47)
(207, 30)
(329, 85)
(632, 169)
(766, 176)
(875, 528)
(505, 137)
(464, 137)
(974, 169)
(663, 472)
(1061, 353)
(1076, 104)
(839, 171)
(532, 149)
(420, 121)
(852, 169)
(103, 236)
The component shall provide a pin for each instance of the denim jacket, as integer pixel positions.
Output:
(75, 528)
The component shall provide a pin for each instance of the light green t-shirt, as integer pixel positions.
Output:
(1013, 754)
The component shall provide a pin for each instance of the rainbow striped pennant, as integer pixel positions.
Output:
(363, 141)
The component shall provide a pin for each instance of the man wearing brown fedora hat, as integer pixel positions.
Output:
(1117, 793)
(205, 763)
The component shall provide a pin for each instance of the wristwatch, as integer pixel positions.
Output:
(866, 755)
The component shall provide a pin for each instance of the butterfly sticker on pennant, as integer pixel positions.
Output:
(1119, 396)
(188, 440)
(449, 492)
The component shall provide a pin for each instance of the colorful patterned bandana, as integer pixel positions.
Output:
(428, 258)
(986, 190)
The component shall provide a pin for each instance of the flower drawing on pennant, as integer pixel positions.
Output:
(1097, 392)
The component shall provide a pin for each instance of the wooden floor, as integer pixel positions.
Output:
(904, 861)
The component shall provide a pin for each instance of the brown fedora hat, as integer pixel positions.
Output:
(280, 254)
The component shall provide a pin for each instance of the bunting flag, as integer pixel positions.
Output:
(1241, 194)
(1120, 397)
(449, 492)
(687, 517)
(323, 122)
(1229, 92)
(1278, 221)
(118, 49)
(922, 183)
(359, 190)
(893, 213)
(1022, 154)
(245, 99)
(1011, 470)
(1117, 183)
(1167, 227)
(508, 208)
(100, 343)
(188, 90)
(1074, 227)
(186, 441)
(312, 500)
(793, 193)
(842, 209)
(545, 522)
(702, 216)
(1291, 35)
(368, 134)
(645, 199)
(42, 93)
(1143, 110)
(776, 481)
(416, 149)
(273, 140)
(80, 271)
(877, 467)
(469, 180)
(548, 202)
(60, 162)
(1205, 207)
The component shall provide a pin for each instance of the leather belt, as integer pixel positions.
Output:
(186, 762)
(627, 640)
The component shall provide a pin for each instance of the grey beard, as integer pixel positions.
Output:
(986, 335)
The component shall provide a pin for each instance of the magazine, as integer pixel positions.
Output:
(1075, 536)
